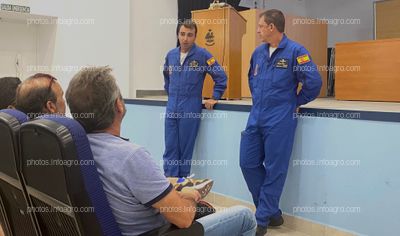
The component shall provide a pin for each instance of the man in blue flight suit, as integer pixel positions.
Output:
(276, 68)
(184, 72)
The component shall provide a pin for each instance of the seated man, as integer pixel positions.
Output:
(40, 94)
(140, 196)
(8, 88)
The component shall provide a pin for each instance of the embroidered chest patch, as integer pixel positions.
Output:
(282, 63)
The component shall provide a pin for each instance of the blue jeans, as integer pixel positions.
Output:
(237, 220)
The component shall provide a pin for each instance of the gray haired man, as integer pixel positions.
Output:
(141, 197)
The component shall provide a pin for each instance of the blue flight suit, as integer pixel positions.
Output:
(266, 143)
(184, 86)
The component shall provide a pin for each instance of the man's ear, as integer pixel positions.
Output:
(119, 104)
(51, 107)
(272, 26)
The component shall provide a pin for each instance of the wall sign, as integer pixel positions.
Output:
(15, 8)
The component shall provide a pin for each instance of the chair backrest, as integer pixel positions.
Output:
(62, 180)
(16, 217)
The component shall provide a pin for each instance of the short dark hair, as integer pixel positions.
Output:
(275, 17)
(8, 90)
(93, 90)
(188, 23)
(33, 101)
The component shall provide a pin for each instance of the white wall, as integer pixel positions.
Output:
(150, 41)
(16, 39)
(105, 42)
(126, 35)
(292, 7)
(344, 9)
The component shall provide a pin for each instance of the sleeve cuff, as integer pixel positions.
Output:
(159, 197)
(216, 96)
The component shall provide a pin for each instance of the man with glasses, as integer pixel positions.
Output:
(40, 94)
(276, 68)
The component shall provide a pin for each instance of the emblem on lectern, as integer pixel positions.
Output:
(210, 38)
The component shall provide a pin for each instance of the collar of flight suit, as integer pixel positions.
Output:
(190, 53)
(282, 44)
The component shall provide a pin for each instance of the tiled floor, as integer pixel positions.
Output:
(283, 231)
(276, 231)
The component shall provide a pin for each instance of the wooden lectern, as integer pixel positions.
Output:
(220, 31)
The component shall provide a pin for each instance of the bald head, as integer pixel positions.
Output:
(40, 94)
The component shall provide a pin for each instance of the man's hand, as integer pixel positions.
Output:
(210, 103)
(176, 209)
(190, 194)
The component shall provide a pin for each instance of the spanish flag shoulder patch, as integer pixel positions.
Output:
(303, 59)
(211, 61)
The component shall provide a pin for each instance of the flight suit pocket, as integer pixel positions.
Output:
(252, 83)
(193, 79)
(254, 76)
(281, 76)
(173, 72)
(194, 71)
(251, 149)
